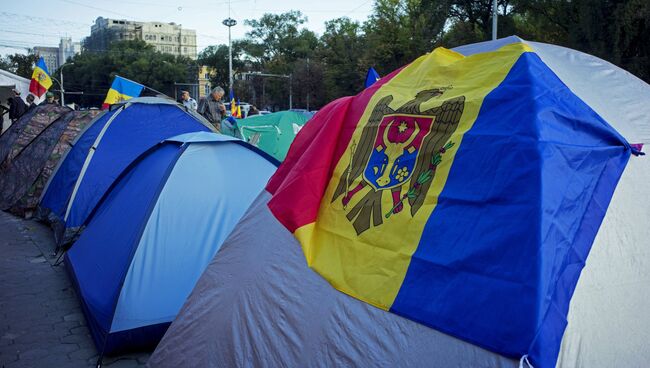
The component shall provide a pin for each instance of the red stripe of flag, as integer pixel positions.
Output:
(300, 182)
(36, 88)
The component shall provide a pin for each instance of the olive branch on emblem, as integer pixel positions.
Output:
(423, 178)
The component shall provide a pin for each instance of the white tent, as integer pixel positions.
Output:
(258, 304)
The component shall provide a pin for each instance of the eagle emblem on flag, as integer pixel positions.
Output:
(398, 152)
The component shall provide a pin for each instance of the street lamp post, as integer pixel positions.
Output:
(495, 14)
(229, 22)
(61, 82)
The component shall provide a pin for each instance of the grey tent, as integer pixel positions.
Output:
(259, 305)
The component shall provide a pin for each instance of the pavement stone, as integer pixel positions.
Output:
(41, 322)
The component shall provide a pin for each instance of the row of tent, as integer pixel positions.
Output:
(175, 233)
(261, 302)
(141, 197)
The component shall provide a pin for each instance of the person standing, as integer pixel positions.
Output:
(30, 102)
(212, 108)
(49, 98)
(188, 101)
(17, 106)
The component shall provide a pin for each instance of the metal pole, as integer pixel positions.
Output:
(494, 19)
(290, 94)
(229, 58)
(62, 90)
(229, 23)
(61, 82)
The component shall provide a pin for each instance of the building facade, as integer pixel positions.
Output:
(170, 38)
(68, 49)
(50, 55)
(205, 73)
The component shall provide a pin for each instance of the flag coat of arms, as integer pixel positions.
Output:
(41, 80)
(122, 89)
(461, 192)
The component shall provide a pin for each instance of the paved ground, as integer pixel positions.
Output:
(41, 323)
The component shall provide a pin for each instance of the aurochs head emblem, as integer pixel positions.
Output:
(395, 150)
(398, 149)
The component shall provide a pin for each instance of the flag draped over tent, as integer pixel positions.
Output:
(41, 80)
(122, 89)
(371, 77)
(442, 194)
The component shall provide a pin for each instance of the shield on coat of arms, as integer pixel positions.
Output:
(395, 150)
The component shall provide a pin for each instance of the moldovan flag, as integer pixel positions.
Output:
(41, 80)
(233, 104)
(122, 89)
(461, 192)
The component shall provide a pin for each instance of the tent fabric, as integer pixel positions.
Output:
(25, 129)
(102, 152)
(580, 72)
(57, 192)
(272, 133)
(606, 323)
(24, 177)
(174, 207)
(258, 305)
(481, 222)
(275, 311)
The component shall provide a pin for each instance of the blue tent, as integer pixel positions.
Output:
(102, 152)
(173, 207)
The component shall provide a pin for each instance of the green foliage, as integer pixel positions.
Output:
(341, 53)
(216, 57)
(19, 64)
(331, 65)
(93, 72)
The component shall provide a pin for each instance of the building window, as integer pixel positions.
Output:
(207, 89)
(185, 50)
(184, 39)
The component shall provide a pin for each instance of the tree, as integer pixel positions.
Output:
(343, 45)
(399, 31)
(277, 45)
(20, 64)
(216, 57)
(93, 72)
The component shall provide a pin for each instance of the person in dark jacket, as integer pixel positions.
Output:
(212, 108)
(30, 102)
(17, 106)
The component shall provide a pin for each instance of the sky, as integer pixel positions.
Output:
(43, 22)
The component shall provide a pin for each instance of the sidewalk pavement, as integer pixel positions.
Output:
(41, 322)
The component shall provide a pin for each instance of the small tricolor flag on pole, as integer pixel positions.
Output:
(41, 80)
(371, 77)
(233, 104)
(122, 89)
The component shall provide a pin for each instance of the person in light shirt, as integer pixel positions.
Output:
(188, 101)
